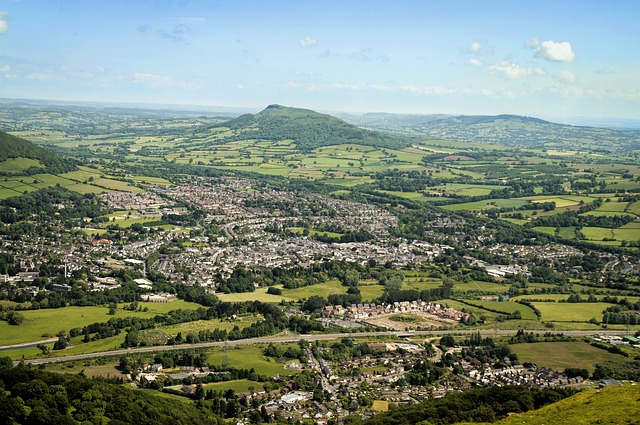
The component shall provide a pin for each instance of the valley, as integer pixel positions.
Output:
(291, 251)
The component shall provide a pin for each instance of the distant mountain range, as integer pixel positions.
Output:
(506, 130)
(307, 129)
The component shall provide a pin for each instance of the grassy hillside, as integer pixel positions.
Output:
(13, 148)
(611, 405)
(306, 128)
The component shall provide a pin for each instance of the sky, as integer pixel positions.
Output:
(537, 58)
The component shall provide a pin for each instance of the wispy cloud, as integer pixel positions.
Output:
(4, 24)
(176, 34)
(368, 55)
(308, 41)
(480, 48)
(551, 50)
(512, 70)
(155, 81)
(567, 76)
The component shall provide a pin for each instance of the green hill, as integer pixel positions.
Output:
(506, 130)
(19, 156)
(611, 405)
(307, 129)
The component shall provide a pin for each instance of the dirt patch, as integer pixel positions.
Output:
(425, 321)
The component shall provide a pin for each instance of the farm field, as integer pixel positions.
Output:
(18, 165)
(485, 205)
(46, 323)
(200, 325)
(574, 312)
(561, 355)
(506, 307)
(238, 386)
(247, 357)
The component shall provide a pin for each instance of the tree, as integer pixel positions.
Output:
(43, 348)
(61, 343)
(14, 318)
(447, 341)
(314, 303)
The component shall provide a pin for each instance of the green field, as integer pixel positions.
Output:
(561, 355)
(46, 323)
(247, 357)
(570, 312)
(485, 205)
(18, 165)
(505, 307)
(239, 386)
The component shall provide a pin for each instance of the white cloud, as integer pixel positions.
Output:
(512, 71)
(479, 48)
(551, 50)
(4, 25)
(4, 69)
(567, 76)
(153, 80)
(307, 42)
(475, 62)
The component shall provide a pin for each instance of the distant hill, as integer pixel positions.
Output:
(43, 159)
(506, 130)
(307, 129)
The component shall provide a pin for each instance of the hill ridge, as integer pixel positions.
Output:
(308, 129)
(16, 147)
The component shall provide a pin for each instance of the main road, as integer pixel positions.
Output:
(299, 337)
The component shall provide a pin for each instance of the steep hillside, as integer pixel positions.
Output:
(15, 147)
(521, 405)
(509, 130)
(611, 405)
(307, 129)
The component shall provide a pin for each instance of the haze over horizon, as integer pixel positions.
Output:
(539, 59)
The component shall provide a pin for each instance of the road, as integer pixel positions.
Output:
(295, 338)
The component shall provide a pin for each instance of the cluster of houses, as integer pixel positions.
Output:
(367, 311)
(519, 375)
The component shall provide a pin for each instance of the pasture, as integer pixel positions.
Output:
(561, 355)
(247, 357)
(574, 312)
(505, 307)
(238, 386)
(46, 323)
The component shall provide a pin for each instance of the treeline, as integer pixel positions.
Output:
(475, 405)
(32, 396)
(44, 203)
(625, 312)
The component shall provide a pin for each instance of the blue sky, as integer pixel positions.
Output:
(545, 58)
